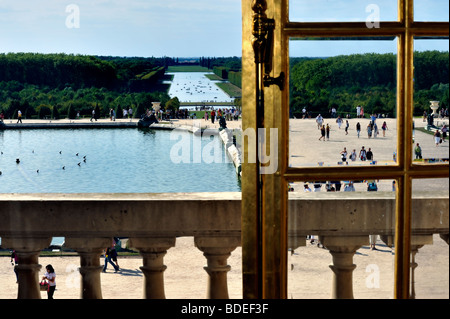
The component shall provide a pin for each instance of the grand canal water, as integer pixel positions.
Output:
(196, 87)
(116, 161)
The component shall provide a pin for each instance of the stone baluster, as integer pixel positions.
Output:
(444, 237)
(28, 250)
(295, 242)
(388, 240)
(417, 242)
(217, 250)
(90, 269)
(153, 251)
(413, 266)
(342, 250)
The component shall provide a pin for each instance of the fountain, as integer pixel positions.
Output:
(149, 119)
(435, 106)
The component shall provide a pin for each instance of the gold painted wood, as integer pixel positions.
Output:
(404, 189)
(251, 245)
(264, 195)
(274, 216)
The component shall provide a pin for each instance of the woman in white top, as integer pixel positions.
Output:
(50, 276)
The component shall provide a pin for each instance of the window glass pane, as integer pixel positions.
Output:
(429, 248)
(357, 220)
(345, 90)
(431, 10)
(349, 11)
(431, 101)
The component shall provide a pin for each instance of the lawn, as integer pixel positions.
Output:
(214, 77)
(231, 89)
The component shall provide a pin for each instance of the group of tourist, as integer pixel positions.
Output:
(333, 113)
(112, 114)
(440, 135)
(443, 113)
(228, 114)
(336, 186)
(372, 127)
(364, 155)
(360, 112)
(332, 186)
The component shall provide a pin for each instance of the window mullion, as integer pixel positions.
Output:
(404, 190)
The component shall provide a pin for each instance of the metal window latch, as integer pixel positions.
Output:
(263, 28)
(269, 81)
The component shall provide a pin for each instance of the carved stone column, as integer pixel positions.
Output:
(417, 242)
(217, 250)
(28, 250)
(342, 250)
(89, 250)
(444, 237)
(413, 265)
(388, 240)
(153, 251)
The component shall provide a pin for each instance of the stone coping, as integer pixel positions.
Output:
(209, 214)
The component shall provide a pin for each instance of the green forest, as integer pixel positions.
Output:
(60, 85)
(369, 80)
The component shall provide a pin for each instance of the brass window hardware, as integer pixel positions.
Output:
(263, 28)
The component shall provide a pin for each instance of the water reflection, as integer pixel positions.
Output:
(105, 161)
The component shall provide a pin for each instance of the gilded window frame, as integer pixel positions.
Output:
(264, 222)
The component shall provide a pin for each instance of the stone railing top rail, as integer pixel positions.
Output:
(209, 214)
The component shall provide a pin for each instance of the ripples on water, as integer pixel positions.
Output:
(117, 161)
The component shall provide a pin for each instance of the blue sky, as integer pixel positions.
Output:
(123, 27)
(179, 28)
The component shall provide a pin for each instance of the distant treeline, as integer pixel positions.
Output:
(80, 71)
(62, 85)
(234, 77)
(369, 80)
(226, 68)
(38, 102)
(231, 63)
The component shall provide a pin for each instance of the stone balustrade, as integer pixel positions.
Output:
(343, 221)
